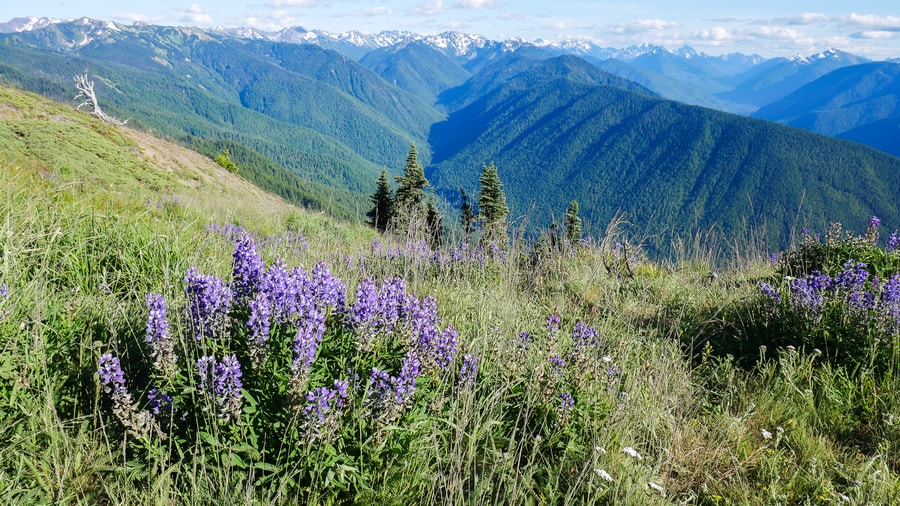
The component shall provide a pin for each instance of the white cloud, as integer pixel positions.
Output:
(292, 3)
(809, 18)
(477, 4)
(876, 34)
(873, 21)
(432, 7)
(642, 25)
(715, 34)
(195, 15)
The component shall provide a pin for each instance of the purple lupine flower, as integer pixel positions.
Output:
(872, 230)
(247, 269)
(110, 371)
(221, 381)
(260, 324)
(4, 291)
(305, 345)
(162, 347)
(365, 307)
(389, 395)
(584, 335)
(770, 293)
(553, 323)
(852, 278)
(228, 387)
(438, 349)
(323, 402)
(566, 401)
(307, 339)
(112, 377)
(205, 369)
(893, 242)
(159, 401)
(209, 301)
(469, 371)
(405, 384)
(523, 342)
(328, 290)
(889, 305)
(283, 287)
(806, 298)
(558, 363)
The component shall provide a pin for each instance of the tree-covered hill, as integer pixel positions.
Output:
(416, 67)
(842, 100)
(777, 78)
(672, 168)
(311, 111)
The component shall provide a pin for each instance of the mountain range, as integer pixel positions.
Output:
(314, 116)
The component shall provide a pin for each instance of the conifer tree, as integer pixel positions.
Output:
(492, 209)
(411, 186)
(466, 215)
(573, 223)
(383, 203)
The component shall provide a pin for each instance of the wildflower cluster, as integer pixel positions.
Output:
(858, 309)
(270, 324)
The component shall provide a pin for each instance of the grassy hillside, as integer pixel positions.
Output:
(583, 374)
(316, 113)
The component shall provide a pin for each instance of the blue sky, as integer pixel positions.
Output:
(767, 27)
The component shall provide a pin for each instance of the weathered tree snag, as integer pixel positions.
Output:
(86, 93)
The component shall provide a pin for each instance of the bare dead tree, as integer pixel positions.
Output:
(89, 99)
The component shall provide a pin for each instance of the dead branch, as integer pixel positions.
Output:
(89, 99)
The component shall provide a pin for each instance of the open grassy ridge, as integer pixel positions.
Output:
(662, 382)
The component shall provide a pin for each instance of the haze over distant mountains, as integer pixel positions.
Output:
(314, 115)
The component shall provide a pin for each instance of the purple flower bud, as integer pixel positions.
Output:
(469, 371)
(553, 323)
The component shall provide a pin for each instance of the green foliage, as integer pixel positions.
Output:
(672, 168)
(492, 209)
(383, 203)
(224, 160)
(466, 216)
(573, 224)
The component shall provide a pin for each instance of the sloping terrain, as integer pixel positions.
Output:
(673, 168)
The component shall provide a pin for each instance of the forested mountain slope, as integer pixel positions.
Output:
(671, 167)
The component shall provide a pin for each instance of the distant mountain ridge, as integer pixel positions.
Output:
(306, 118)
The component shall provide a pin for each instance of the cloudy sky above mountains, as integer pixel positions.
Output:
(768, 27)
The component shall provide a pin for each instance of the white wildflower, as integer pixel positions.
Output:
(632, 452)
(779, 429)
(601, 450)
(766, 434)
(656, 487)
(603, 474)
(606, 359)
(844, 498)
